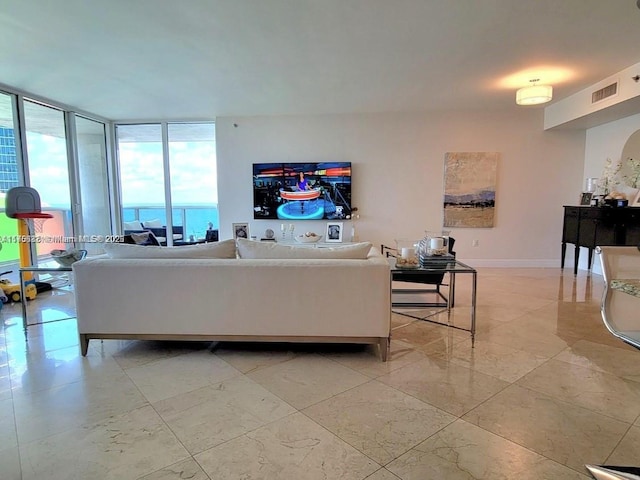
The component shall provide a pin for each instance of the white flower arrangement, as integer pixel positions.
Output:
(632, 178)
(608, 181)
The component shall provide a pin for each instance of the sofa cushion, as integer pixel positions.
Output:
(135, 226)
(142, 238)
(155, 223)
(256, 250)
(224, 249)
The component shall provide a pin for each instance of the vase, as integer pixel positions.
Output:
(434, 244)
(354, 234)
(407, 254)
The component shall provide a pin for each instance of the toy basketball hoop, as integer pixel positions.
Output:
(23, 200)
(38, 219)
(23, 204)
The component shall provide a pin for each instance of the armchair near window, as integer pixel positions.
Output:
(435, 279)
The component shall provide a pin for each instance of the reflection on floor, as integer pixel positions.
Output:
(545, 391)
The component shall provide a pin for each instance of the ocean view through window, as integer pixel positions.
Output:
(188, 172)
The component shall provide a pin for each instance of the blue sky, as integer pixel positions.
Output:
(193, 172)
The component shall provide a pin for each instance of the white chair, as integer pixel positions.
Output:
(620, 305)
(621, 298)
(606, 472)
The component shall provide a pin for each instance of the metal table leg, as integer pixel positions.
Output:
(23, 303)
(473, 309)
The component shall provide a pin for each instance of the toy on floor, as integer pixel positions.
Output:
(11, 291)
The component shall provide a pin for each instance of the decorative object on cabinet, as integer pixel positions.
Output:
(591, 184)
(240, 230)
(609, 177)
(585, 199)
(334, 232)
(470, 189)
(632, 175)
(631, 168)
(308, 237)
(354, 217)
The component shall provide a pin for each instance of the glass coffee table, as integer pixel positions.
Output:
(418, 298)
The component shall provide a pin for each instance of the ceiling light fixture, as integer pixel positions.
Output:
(534, 94)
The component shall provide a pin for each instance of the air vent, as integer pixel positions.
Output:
(605, 92)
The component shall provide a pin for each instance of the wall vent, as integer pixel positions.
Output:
(605, 92)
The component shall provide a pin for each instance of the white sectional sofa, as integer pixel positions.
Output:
(338, 295)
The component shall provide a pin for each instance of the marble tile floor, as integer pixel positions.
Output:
(545, 390)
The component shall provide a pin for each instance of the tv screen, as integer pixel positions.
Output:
(302, 191)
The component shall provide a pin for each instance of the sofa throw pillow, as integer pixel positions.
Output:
(142, 238)
(134, 226)
(224, 249)
(257, 250)
(155, 223)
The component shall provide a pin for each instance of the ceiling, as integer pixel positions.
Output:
(198, 59)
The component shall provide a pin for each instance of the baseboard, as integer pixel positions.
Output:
(519, 263)
(511, 263)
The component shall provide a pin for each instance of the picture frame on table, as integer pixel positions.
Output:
(333, 233)
(240, 230)
(636, 201)
(585, 198)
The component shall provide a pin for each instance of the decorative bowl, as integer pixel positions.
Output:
(305, 239)
(66, 258)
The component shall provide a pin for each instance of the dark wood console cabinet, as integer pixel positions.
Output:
(592, 226)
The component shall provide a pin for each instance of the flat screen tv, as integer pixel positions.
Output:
(302, 191)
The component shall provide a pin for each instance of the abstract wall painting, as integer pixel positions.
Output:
(470, 189)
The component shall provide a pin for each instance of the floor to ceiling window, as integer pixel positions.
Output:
(181, 187)
(141, 173)
(194, 189)
(63, 156)
(9, 176)
(167, 175)
(93, 180)
(48, 170)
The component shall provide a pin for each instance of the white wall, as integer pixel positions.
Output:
(602, 142)
(607, 141)
(398, 162)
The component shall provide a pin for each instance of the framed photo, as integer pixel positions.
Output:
(636, 201)
(585, 199)
(240, 230)
(334, 232)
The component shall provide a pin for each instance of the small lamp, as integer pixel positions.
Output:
(534, 94)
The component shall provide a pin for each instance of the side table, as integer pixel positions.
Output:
(23, 301)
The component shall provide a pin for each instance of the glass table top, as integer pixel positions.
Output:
(436, 266)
